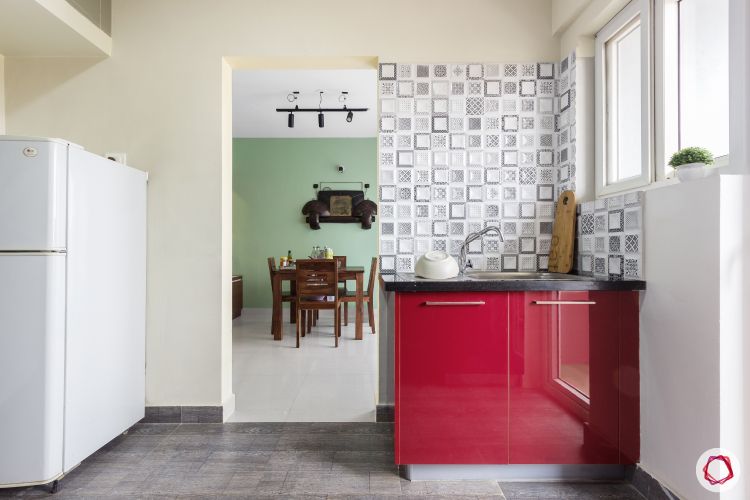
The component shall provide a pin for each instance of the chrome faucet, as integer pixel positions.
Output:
(463, 263)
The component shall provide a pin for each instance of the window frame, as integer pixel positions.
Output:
(642, 10)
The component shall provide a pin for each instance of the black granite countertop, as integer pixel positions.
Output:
(408, 282)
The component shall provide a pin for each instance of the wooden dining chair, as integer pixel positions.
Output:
(341, 259)
(346, 296)
(285, 297)
(318, 279)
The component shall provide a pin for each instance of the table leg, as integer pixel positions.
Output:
(293, 305)
(278, 318)
(358, 324)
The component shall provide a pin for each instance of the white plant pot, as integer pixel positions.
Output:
(692, 171)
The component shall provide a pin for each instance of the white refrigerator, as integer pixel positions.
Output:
(72, 305)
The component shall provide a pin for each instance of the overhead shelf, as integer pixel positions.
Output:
(49, 28)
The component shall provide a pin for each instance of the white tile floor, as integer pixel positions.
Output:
(276, 382)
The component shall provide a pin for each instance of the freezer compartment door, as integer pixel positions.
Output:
(32, 370)
(33, 184)
(105, 370)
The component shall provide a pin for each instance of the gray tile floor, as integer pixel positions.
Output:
(277, 460)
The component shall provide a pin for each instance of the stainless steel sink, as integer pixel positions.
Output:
(499, 275)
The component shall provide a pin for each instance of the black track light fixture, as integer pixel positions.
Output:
(321, 118)
(320, 110)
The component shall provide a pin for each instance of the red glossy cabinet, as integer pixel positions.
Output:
(519, 377)
(573, 377)
(451, 378)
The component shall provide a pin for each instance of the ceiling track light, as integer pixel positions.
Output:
(320, 110)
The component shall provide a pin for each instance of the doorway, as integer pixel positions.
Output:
(274, 169)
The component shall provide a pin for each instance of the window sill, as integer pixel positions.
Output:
(720, 169)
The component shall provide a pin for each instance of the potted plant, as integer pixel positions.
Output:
(691, 163)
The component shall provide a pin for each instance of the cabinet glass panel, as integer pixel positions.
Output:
(573, 342)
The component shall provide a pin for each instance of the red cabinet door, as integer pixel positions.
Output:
(451, 378)
(573, 377)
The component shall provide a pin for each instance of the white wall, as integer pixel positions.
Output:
(159, 98)
(680, 333)
(692, 328)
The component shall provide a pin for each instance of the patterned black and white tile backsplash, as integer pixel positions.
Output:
(610, 237)
(464, 146)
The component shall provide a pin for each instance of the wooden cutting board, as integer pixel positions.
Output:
(563, 234)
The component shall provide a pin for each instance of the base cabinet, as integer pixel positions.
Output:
(452, 378)
(517, 378)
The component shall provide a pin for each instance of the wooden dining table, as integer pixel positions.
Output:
(348, 273)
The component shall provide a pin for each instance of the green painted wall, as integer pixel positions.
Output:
(273, 179)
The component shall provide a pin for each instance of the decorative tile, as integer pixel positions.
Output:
(510, 262)
(614, 244)
(387, 89)
(527, 88)
(615, 221)
(492, 88)
(545, 71)
(387, 71)
(440, 70)
(474, 71)
(405, 89)
(632, 268)
(586, 222)
(475, 106)
(510, 123)
(475, 88)
(631, 243)
(422, 89)
(615, 266)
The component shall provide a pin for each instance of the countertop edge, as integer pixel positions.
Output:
(463, 285)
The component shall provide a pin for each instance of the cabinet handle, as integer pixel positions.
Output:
(467, 303)
(563, 302)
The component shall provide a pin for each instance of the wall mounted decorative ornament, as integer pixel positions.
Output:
(340, 206)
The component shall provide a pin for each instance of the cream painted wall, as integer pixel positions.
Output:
(580, 33)
(2, 94)
(564, 12)
(159, 98)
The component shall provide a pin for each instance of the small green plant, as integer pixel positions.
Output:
(691, 155)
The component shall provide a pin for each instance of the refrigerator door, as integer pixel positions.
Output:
(32, 367)
(105, 345)
(33, 184)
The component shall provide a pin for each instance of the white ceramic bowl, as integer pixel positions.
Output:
(436, 265)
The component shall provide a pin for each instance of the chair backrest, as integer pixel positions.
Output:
(271, 266)
(317, 278)
(373, 275)
(341, 259)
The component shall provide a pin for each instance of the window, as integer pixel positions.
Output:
(704, 74)
(695, 79)
(622, 103)
(638, 126)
